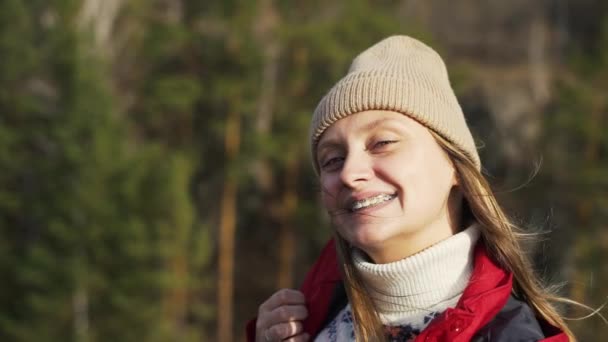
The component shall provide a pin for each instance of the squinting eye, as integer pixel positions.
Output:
(384, 143)
(331, 162)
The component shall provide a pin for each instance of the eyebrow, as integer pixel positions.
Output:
(326, 144)
(367, 127)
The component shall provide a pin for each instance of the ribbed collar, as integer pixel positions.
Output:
(428, 281)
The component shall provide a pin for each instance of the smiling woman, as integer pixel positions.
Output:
(422, 250)
(387, 184)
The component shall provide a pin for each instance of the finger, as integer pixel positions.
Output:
(286, 313)
(282, 331)
(283, 314)
(299, 338)
(283, 297)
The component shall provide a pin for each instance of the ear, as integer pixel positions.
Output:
(455, 177)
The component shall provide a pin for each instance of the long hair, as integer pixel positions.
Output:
(502, 240)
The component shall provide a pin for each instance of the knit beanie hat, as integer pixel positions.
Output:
(399, 74)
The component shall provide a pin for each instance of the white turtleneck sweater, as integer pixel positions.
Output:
(410, 292)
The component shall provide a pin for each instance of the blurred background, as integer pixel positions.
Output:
(155, 183)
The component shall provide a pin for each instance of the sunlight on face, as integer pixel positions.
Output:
(385, 183)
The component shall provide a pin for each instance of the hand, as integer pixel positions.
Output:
(280, 317)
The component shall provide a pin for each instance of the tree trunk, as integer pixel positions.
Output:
(176, 300)
(585, 212)
(287, 237)
(80, 303)
(538, 61)
(227, 232)
(100, 16)
(265, 28)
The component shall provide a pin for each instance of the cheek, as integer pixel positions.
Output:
(424, 184)
(434, 186)
(329, 192)
(327, 201)
(394, 169)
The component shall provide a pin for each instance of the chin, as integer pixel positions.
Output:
(368, 236)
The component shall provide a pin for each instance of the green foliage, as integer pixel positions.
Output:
(90, 220)
(577, 145)
(113, 162)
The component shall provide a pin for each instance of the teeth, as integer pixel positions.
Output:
(364, 203)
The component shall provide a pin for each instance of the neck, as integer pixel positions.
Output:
(430, 280)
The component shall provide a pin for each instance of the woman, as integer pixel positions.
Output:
(422, 250)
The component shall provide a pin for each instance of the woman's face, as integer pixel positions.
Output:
(386, 184)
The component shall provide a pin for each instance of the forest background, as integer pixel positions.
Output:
(155, 183)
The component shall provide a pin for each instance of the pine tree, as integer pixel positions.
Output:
(577, 163)
(93, 223)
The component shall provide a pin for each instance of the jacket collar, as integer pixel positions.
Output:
(486, 294)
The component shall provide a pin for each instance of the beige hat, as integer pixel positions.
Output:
(400, 74)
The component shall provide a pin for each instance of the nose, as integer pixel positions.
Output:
(356, 169)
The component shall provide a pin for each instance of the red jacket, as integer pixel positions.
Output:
(488, 291)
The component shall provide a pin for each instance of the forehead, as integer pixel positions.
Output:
(367, 121)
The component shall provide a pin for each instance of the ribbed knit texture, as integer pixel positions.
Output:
(414, 286)
(412, 291)
(400, 74)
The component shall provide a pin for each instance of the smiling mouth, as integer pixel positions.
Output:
(371, 202)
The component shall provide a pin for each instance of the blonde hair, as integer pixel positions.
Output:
(502, 240)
